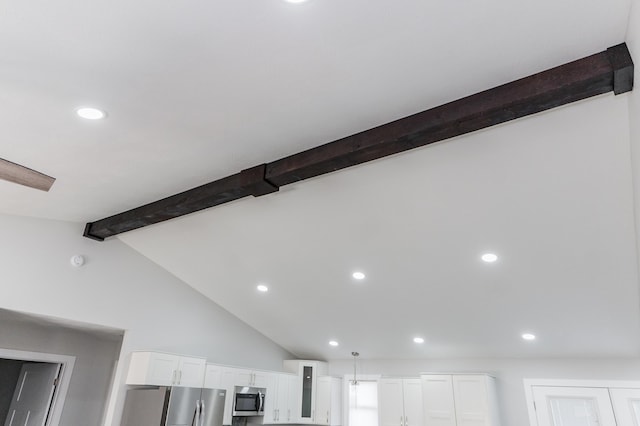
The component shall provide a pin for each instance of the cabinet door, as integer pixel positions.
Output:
(243, 377)
(390, 402)
(228, 382)
(323, 400)
(412, 392)
(282, 398)
(163, 369)
(261, 379)
(471, 400)
(308, 376)
(271, 401)
(569, 406)
(626, 406)
(213, 377)
(293, 401)
(437, 396)
(191, 372)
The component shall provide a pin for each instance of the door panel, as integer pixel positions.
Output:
(182, 406)
(437, 392)
(33, 395)
(573, 406)
(390, 402)
(213, 406)
(626, 406)
(470, 396)
(412, 389)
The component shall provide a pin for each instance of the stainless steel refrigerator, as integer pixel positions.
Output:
(173, 406)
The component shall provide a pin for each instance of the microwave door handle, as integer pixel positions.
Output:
(261, 399)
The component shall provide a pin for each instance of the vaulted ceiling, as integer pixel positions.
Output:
(197, 90)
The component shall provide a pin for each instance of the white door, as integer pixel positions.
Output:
(412, 390)
(390, 402)
(470, 398)
(626, 406)
(437, 394)
(323, 400)
(213, 377)
(573, 406)
(163, 369)
(191, 372)
(283, 406)
(33, 395)
(293, 400)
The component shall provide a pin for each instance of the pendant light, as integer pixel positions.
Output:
(355, 355)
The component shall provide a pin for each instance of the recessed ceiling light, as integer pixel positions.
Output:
(91, 113)
(489, 257)
(263, 288)
(359, 275)
(418, 340)
(333, 343)
(295, 1)
(529, 336)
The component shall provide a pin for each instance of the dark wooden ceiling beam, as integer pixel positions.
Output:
(611, 70)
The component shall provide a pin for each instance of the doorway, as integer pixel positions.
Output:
(33, 387)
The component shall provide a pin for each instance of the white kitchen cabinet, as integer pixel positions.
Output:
(256, 379)
(626, 406)
(400, 402)
(161, 369)
(459, 400)
(329, 401)
(280, 400)
(437, 394)
(308, 372)
(213, 376)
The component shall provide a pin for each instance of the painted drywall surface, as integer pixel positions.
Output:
(95, 359)
(9, 373)
(119, 288)
(509, 374)
(633, 43)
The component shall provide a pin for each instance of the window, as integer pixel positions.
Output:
(363, 404)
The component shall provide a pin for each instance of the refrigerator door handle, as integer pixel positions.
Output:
(196, 415)
(202, 412)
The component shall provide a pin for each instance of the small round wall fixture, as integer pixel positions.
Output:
(77, 260)
(90, 113)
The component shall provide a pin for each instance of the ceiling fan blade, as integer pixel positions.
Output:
(16, 173)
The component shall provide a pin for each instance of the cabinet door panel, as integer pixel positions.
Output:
(323, 400)
(213, 377)
(282, 398)
(573, 406)
(437, 393)
(261, 379)
(626, 406)
(162, 369)
(470, 398)
(390, 404)
(413, 412)
(293, 400)
(271, 401)
(191, 372)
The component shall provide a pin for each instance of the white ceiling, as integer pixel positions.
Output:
(198, 90)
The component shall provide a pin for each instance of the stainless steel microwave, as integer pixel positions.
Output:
(248, 401)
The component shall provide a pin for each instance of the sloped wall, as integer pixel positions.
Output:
(119, 288)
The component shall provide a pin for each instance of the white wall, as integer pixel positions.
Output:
(119, 288)
(95, 355)
(509, 374)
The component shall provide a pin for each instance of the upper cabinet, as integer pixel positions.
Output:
(281, 399)
(400, 402)
(329, 401)
(160, 369)
(459, 400)
(308, 372)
